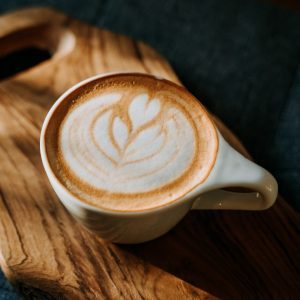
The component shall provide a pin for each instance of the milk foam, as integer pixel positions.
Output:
(138, 156)
(130, 143)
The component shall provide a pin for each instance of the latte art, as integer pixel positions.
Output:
(127, 150)
(132, 144)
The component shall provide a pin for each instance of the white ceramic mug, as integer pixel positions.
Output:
(231, 169)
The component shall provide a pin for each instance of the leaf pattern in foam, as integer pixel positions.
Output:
(147, 143)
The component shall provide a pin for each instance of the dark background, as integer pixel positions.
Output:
(239, 57)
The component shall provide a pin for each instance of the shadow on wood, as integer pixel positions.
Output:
(230, 254)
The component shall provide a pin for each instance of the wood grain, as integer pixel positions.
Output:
(43, 251)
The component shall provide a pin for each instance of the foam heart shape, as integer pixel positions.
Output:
(142, 111)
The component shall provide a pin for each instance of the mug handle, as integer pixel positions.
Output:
(234, 170)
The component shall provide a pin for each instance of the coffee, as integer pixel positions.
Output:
(130, 142)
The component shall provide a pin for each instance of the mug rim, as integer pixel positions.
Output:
(102, 210)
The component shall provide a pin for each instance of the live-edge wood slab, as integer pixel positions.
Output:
(47, 255)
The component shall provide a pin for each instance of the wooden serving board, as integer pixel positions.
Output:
(47, 255)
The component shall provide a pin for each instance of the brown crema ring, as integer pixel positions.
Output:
(129, 85)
